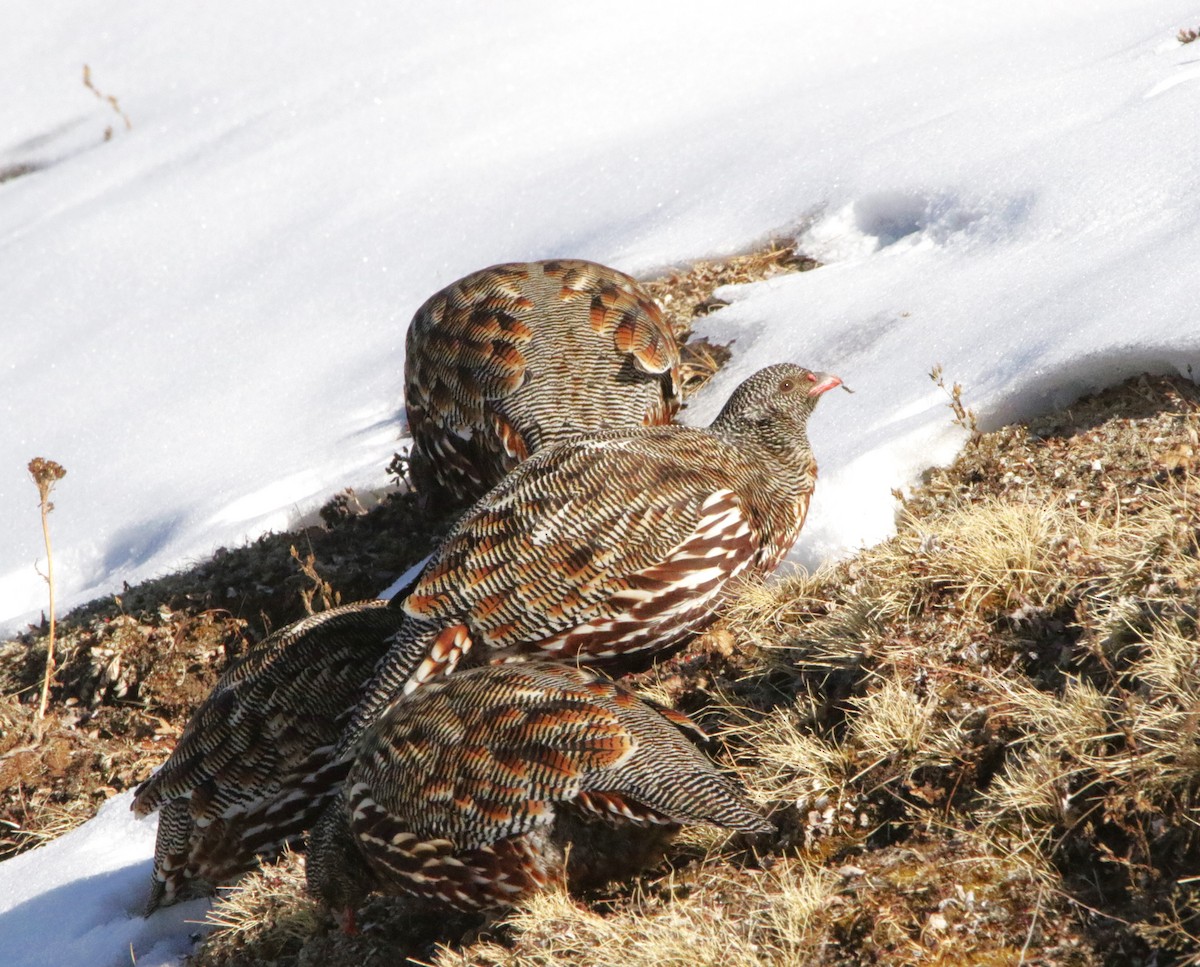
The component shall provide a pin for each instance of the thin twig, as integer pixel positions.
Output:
(1037, 909)
(46, 473)
(109, 98)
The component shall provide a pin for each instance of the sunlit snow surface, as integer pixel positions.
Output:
(203, 318)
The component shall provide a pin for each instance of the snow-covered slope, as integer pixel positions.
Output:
(203, 317)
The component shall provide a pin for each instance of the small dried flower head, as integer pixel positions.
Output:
(45, 473)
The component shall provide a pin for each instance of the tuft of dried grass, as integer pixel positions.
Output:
(686, 293)
(956, 900)
(266, 917)
(741, 919)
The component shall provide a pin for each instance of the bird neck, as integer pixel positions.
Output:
(783, 445)
(781, 476)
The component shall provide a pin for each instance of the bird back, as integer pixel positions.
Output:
(512, 358)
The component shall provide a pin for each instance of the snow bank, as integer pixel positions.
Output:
(78, 900)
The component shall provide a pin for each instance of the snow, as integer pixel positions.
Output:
(78, 900)
(203, 317)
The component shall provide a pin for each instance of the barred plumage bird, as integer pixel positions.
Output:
(254, 766)
(514, 357)
(618, 543)
(487, 785)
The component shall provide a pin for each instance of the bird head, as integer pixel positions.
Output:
(337, 873)
(773, 406)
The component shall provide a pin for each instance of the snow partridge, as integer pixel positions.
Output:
(613, 544)
(487, 785)
(252, 769)
(512, 358)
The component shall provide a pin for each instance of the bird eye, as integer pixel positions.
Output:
(787, 386)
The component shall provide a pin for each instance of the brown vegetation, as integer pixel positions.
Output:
(108, 99)
(46, 473)
(687, 293)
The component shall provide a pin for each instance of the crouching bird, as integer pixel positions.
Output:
(486, 786)
(607, 546)
(512, 358)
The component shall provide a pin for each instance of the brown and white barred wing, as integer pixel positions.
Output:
(632, 325)
(467, 346)
(593, 549)
(483, 754)
(467, 770)
(240, 781)
(273, 707)
(516, 356)
(659, 605)
(642, 529)
(779, 536)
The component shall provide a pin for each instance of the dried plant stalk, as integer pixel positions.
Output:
(46, 473)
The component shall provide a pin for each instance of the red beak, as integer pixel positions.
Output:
(823, 382)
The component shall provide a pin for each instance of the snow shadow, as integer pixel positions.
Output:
(132, 546)
(60, 143)
(1068, 381)
(96, 920)
(891, 216)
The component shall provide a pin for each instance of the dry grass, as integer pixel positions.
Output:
(53, 781)
(123, 689)
(945, 901)
(686, 293)
(735, 918)
(264, 917)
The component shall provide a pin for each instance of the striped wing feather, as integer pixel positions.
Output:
(558, 551)
(488, 753)
(465, 347)
(475, 758)
(590, 550)
(456, 790)
(514, 357)
(253, 766)
(273, 708)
